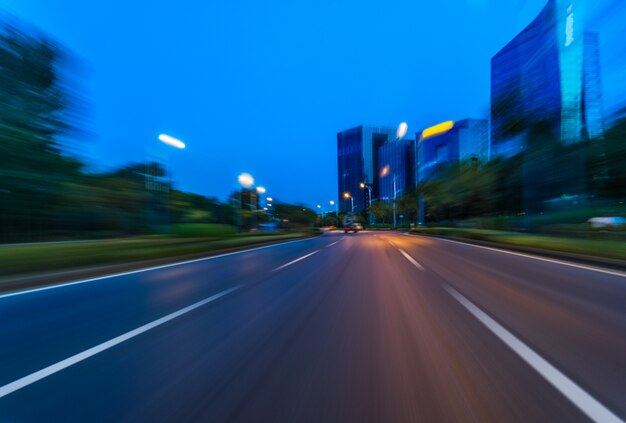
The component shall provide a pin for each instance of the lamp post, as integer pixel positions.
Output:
(395, 194)
(347, 195)
(400, 133)
(365, 185)
(246, 181)
(151, 179)
(332, 203)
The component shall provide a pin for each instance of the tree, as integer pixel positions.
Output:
(36, 111)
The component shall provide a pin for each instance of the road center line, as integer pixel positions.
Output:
(63, 364)
(330, 245)
(411, 259)
(579, 397)
(295, 261)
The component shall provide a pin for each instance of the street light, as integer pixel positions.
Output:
(364, 185)
(245, 180)
(174, 142)
(347, 195)
(385, 170)
(269, 199)
(260, 190)
(151, 179)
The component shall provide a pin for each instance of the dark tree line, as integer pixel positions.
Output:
(46, 193)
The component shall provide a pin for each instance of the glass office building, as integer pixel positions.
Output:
(396, 159)
(548, 73)
(357, 158)
(466, 140)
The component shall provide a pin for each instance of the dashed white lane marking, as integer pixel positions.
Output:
(147, 269)
(579, 397)
(77, 358)
(411, 259)
(295, 261)
(331, 244)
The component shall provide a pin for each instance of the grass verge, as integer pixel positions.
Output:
(48, 257)
(588, 247)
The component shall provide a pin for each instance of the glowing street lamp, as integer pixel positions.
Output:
(347, 195)
(270, 199)
(260, 190)
(171, 141)
(401, 131)
(245, 180)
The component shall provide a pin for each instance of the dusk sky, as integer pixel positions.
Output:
(264, 87)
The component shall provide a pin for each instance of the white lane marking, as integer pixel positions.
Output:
(331, 244)
(411, 259)
(342, 238)
(581, 399)
(147, 269)
(295, 261)
(63, 364)
(554, 261)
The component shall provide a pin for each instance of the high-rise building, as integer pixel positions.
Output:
(450, 142)
(549, 73)
(396, 168)
(357, 158)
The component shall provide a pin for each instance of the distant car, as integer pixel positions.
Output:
(353, 227)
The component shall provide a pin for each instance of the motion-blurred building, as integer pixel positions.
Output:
(396, 168)
(450, 142)
(549, 73)
(357, 159)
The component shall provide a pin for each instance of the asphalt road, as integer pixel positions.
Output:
(366, 327)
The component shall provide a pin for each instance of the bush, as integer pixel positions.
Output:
(202, 230)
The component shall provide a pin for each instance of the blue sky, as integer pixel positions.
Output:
(264, 87)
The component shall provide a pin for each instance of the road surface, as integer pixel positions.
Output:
(375, 326)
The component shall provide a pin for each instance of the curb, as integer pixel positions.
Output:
(36, 280)
(598, 261)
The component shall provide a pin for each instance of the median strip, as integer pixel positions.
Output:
(579, 397)
(295, 261)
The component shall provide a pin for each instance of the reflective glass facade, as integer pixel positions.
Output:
(549, 72)
(400, 157)
(357, 157)
(467, 140)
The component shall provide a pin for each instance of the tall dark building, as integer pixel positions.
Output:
(357, 158)
(396, 160)
(450, 142)
(549, 72)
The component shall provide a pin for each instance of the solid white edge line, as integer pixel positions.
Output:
(147, 269)
(579, 397)
(63, 364)
(411, 259)
(295, 261)
(554, 261)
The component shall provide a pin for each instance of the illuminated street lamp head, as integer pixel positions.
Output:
(319, 207)
(246, 180)
(402, 129)
(332, 203)
(384, 171)
(174, 142)
(346, 195)
(260, 190)
(269, 199)
(362, 185)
